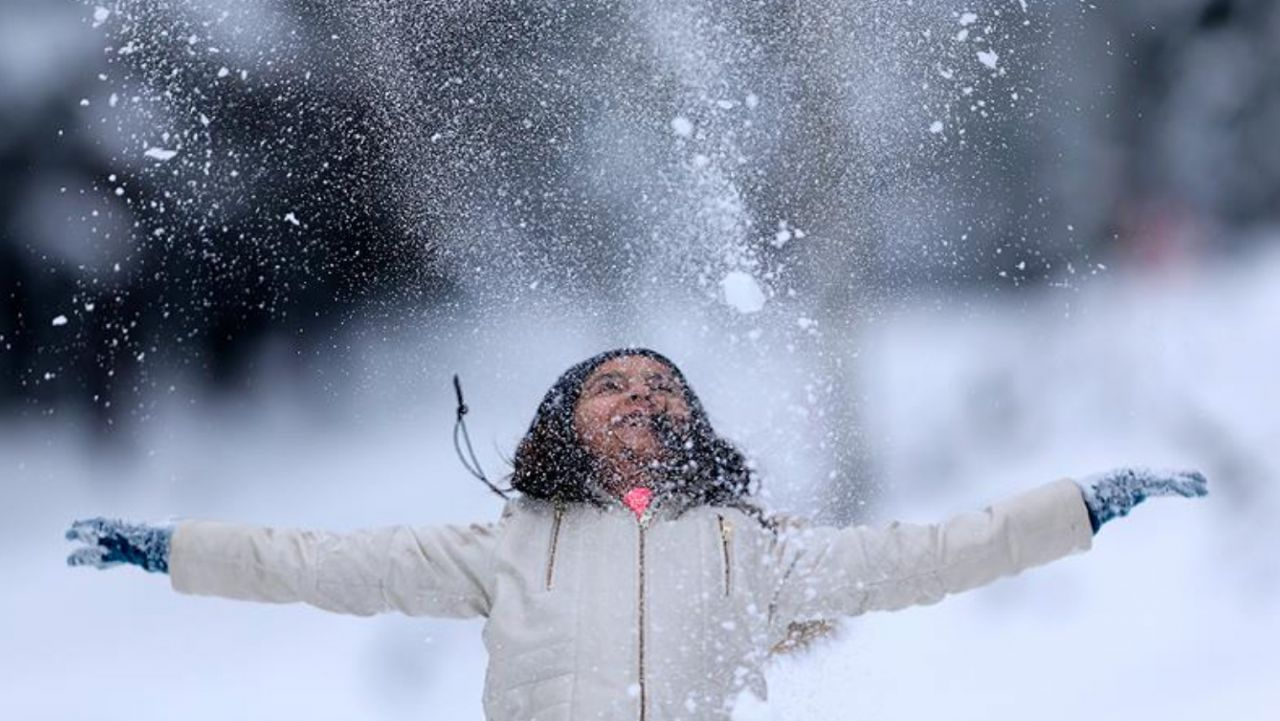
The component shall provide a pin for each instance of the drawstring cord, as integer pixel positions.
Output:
(472, 464)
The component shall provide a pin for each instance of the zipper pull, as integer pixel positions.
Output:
(726, 529)
(555, 541)
(726, 543)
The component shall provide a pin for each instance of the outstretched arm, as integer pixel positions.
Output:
(829, 572)
(435, 571)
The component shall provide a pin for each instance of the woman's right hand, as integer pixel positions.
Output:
(113, 542)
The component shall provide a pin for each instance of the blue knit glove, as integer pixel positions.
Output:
(113, 542)
(1114, 493)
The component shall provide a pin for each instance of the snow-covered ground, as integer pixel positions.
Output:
(1174, 614)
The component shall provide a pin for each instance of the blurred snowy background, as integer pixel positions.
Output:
(913, 257)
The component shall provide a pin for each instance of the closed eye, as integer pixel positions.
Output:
(660, 383)
(607, 384)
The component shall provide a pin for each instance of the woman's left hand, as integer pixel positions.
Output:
(1114, 493)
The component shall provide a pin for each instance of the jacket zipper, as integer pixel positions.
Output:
(726, 543)
(643, 522)
(555, 539)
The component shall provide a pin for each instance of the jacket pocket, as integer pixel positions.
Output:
(726, 550)
(553, 543)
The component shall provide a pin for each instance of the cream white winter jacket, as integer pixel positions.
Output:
(592, 614)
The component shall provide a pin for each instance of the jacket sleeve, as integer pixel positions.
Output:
(826, 572)
(418, 571)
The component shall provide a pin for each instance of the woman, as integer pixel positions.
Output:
(632, 576)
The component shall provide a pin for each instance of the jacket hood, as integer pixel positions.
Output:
(552, 464)
(564, 393)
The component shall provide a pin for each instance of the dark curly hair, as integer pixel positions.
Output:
(552, 464)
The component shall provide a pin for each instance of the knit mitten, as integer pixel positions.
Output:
(113, 542)
(1114, 493)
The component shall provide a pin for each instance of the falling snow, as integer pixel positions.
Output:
(160, 154)
(365, 197)
(742, 292)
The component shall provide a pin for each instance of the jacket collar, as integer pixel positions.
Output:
(665, 505)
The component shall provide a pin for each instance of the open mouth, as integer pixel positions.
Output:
(633, 419)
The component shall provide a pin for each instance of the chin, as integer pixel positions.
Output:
(642, 452)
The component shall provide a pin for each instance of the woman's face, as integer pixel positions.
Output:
(619, 400)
